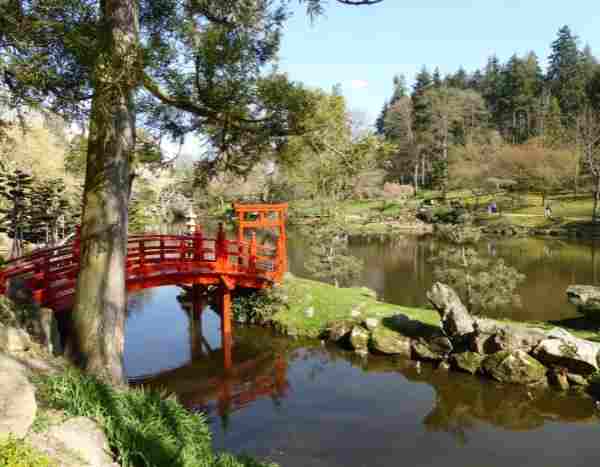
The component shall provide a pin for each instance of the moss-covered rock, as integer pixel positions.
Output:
(387, 341)
(514, 367)
(422, 350)
(469, 362)
(359, 339)
(339, 330)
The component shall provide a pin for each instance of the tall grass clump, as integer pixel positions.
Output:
(142, 427)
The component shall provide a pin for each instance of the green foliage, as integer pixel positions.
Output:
(482, 284)
(258, 307)
(328, 253)
(17, 453)
(142, 428)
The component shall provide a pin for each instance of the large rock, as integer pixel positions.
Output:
(494, 336)
(586, 298)
(390, 342)
(469, 362)
(456, 320)
(359, 339)
(13, 339)
(85, 438)
(565, 350)
(516, 367)
(17, 398)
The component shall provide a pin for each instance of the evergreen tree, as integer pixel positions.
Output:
(380, 121)
(437, 78)
(458, 80)
(400, 89)
(421, 107)
(566, 77)
(491, 89)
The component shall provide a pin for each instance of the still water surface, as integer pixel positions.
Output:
(307, 404)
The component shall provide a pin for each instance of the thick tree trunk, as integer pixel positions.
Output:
(101, 299)
(596, 197)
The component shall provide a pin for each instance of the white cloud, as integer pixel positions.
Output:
(359, 84)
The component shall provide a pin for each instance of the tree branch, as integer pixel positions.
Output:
(359, 2)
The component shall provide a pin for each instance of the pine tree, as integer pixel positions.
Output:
(491, 89)
(566, 78)
(421, 107)
(437, 78)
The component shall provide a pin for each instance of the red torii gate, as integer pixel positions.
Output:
(155, 260)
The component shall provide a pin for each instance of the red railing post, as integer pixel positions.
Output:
(198, 244)
(142, 252)
(253, 250)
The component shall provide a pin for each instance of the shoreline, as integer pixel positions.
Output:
(507, 351)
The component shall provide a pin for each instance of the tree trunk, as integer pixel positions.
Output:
(596, 197)
(101, 299)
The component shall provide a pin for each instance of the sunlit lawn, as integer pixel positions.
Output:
(581, 208)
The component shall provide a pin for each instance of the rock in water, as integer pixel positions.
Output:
(514, 367)
(423, 351)
(359, 338)
(468, 361)
(557, 377)
(372, 323)
(577, 380)
(17, 398)
(456, 320)
(340, 330)
(563, 349)
(390, 342)
(586, 298)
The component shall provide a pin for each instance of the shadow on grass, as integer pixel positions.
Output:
(410, 327)
(591, 328)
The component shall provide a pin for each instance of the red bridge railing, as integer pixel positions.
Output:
(50, 274)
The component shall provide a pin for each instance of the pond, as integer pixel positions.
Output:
(308, 404)
(400, 271)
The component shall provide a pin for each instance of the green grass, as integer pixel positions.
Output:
(142, 427)
(17, 453)
(574, 209)
(332, 304)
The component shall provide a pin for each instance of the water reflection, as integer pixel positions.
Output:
(398, 268)
(310, 404)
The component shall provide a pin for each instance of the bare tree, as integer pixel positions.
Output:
(588, 129)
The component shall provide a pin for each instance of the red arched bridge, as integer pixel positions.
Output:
(156, 260)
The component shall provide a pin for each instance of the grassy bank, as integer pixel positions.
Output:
(311, 306)
(143, 428)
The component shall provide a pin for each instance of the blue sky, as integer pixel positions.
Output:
(363, 47)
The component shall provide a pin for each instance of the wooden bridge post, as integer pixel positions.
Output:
(226, 334)
(197, 305)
